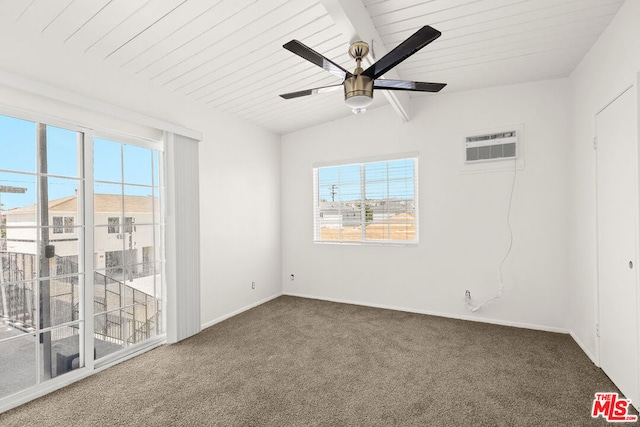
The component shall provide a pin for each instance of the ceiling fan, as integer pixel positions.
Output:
(359, 85)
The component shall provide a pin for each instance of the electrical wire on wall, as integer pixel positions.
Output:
(473, 307)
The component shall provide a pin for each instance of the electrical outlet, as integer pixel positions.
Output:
(253, 285)
(467, 294)
(292, 277)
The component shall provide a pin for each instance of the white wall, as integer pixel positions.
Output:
(239, 163)
(609, 68)
(463, 228)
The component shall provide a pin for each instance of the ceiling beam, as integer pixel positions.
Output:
(353, 20)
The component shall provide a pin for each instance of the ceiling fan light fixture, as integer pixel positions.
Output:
(358, 101)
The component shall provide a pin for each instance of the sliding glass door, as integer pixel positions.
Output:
(51, 196)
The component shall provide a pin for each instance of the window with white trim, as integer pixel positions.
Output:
(363, 202)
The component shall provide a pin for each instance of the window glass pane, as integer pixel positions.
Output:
(65, 351)
(107, 204)
(18, 308)
(114, 260)
(17, 364)
(328, 176)
(66, 250)
(17, 199)
(328, 193)
(402, 226)
(350, 174)
(401, 168)
(138, 204)
(401, 189)
(21, 244)
(107, 160)
(108, 290)
(64, 299)
(65, 262)
(140, 281)
(108, 333)
(377, 231)
(17, 144)
(62, 152)
(351, 233)
(63, 200)
(376, 190)
(349, 192)
(376, 171)
(138, 165)
(141, 320)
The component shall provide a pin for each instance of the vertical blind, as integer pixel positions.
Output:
(367, 201)
(183, 238)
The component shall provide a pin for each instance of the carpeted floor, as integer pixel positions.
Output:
(300, 362)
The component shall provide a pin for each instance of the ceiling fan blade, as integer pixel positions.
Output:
(408, 85)
(311, 55)
(417, 41)
(311, 91)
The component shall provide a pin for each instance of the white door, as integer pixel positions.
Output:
(617, 186)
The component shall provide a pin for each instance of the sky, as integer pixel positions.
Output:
(389, 179)
(117, 167)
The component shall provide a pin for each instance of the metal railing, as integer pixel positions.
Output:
(137, 322)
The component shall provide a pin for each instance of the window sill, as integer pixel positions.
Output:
(367, 243)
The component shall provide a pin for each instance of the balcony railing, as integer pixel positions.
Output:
(136, 322)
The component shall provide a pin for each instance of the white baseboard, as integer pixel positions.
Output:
(439, 314)
(584, 348)
(238, 311)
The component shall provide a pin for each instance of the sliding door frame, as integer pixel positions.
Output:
(86, 256)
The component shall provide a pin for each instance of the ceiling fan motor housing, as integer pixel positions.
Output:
(358, 85)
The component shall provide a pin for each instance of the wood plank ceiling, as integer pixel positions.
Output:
(228, 53)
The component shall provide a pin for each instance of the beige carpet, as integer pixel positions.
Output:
(300, 362)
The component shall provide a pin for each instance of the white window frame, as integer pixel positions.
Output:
(362, 162)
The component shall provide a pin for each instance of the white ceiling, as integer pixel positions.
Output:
(228, 53)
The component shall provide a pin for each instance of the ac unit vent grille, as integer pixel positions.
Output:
(493, 146)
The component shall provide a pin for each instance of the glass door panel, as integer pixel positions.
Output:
(41, 239)
(18, 361)
(127, 251)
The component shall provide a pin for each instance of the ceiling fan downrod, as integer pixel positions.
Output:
(358, 88)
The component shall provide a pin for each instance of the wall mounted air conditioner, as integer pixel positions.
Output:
(493, 149)
(491, 146)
